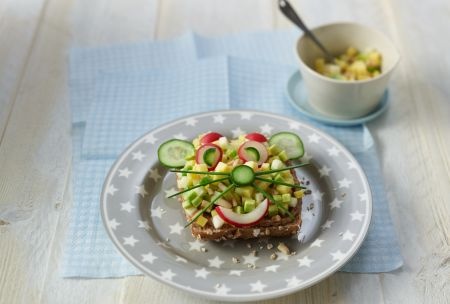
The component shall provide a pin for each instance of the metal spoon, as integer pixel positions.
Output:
(290, 13)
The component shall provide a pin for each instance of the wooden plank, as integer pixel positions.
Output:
(19, 21)
(35, 155)
(213, 17)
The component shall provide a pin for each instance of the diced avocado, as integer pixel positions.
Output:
(186, 204)
(249, 205)
(190, 211)
(286, 197)
(189, 195)
(200, 191)
(299, 193)
(273, 210)
(197, 201)
(238, 209)
(283, 156)
(245, 191)
(201, 221)
(214, 213)
(283, 189)
(277, 197)
(274, 150)
(200, 167)
(278, 178)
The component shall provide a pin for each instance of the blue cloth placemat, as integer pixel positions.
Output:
(102, 108)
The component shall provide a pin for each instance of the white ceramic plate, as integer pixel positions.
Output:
(147, 228)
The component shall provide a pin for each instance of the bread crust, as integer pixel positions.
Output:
(276, 226)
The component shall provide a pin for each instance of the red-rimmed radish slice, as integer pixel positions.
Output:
(210, 137)
(246, 219)
(209, 154)
(256, 137)
(253, 151)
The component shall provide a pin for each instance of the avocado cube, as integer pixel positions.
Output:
(190, 195)
(186, 204)
(273, 210)
(283, 189)
(274, 150)
(249, 205)
(277, 198)
(201, 221)
(283, 156)
(214, 213)
(286, 198)
(200, 191)
(278, 178)
(197, 201)
(299, 193)
(244, 191)
(238, 209)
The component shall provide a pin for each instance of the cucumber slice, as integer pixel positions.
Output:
(289, 142)
(242, 175)
(173, 153)
(252, 153)
(210, 156)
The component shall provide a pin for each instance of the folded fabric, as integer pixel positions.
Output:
(122, 100)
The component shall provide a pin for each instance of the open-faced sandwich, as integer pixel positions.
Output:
(237, 188)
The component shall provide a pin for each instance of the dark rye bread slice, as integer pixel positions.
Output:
(277, 226)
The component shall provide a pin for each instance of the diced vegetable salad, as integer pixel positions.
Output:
(352, 65)
(222, 155)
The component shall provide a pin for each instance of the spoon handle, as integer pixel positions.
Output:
(290, 13)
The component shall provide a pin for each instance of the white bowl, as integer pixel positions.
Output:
(339, 98)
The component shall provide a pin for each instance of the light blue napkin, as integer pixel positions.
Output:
(123, 100)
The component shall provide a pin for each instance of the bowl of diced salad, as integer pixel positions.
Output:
(351, 84)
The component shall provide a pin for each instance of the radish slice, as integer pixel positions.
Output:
(256, 137)
(210, 137)
(246, 219)
(209, 154)
(253, 151)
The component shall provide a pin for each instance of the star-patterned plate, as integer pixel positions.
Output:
(147, 227)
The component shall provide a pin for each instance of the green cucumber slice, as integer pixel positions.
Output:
(242, 175)
(173, 153)
(252, 153)
(210, 156)
(289, 142)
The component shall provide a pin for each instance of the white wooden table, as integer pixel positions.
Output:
(35, 154)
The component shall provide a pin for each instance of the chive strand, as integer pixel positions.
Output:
(209, 205)
(199, 185)
(199, 172)
(279, 170)
(279, 183)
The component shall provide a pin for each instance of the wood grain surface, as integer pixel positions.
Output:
(413, 139)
